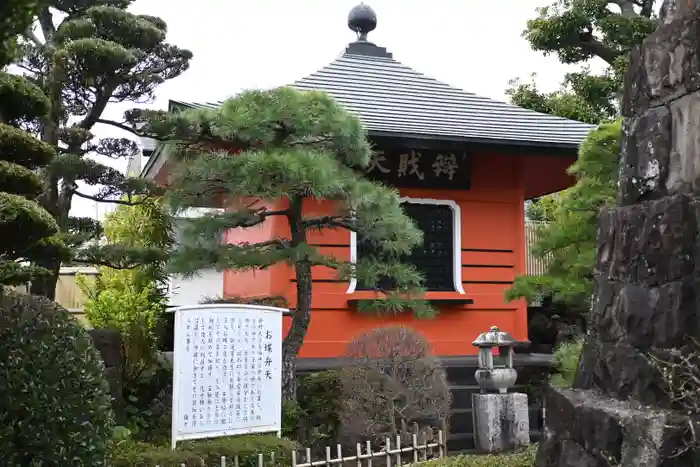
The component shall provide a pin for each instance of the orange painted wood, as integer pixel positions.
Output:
(492, 255)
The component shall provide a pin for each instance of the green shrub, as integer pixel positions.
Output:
(525, 458)
(149, 404)
(566, 358)
(206, 453)
(55, 408)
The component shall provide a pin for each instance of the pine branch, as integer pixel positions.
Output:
(121, 126)
(103, 200)
(109, 264)
(46, 22)
(330, 222)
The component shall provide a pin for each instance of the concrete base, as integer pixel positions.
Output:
(501, 422)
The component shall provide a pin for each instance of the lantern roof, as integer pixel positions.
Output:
(494, 337)
(394, 100)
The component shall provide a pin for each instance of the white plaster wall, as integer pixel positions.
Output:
(208, 283)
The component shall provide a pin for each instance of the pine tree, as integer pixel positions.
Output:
(286, 149)
(86, 54)
(23, 223)
(567, 237)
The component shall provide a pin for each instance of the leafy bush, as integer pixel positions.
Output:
(56, 406)
(205, 453)
(133, 302)
(525, 458)
(566, 358)
(314, 419)
(149, 404)
(116, 301)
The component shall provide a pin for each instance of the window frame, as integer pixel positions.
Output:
(456, 239)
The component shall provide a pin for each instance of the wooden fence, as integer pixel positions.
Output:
(533, 266)
(387, 455)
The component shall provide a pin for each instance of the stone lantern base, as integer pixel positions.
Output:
(501, 422)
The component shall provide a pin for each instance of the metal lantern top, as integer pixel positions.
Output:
(494, 337)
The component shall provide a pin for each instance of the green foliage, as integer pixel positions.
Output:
(149, 404)
(15, 17)
(567, 240)
(115, 301)
(566, 358)
(274, 301)
(577, 31)
(132, 301)
(56, 405)
(314, 419)
(91, 53)
(206, 453)
(291, 147)
(23, 222)
(525, 458)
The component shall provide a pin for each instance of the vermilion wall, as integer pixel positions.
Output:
(492, 254)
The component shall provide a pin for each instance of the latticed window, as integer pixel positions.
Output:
(435, 258)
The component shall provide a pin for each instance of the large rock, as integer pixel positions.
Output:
(647, 276)
(588, 429)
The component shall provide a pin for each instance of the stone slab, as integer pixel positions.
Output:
(501, 422)
(587, 429)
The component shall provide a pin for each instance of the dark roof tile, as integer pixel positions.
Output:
(390, 97)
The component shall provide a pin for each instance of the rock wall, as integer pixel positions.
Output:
(109, 344)
(648, 269)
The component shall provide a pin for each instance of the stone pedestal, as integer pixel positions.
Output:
(501, 422)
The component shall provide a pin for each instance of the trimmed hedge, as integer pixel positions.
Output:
(55, 408)
(205, 453)
(525, 458)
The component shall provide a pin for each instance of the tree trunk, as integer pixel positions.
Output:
(46, 286)
(301, 317)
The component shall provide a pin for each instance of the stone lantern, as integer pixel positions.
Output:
(501, 419)
(489, 376)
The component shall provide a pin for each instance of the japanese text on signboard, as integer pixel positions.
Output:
(420, 169)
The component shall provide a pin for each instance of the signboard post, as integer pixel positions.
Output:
(227, 364)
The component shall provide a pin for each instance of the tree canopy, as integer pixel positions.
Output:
(84, 55)
(566, 238)
(24, 223)
(577, 31)
(263, 155)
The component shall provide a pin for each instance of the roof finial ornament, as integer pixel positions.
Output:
(362, 19)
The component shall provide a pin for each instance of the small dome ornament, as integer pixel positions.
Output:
(362, 20)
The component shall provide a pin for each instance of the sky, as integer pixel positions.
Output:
(240, 44)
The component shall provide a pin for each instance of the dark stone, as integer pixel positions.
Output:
(646, 317)
(647, 276)
(646, 144)
(588, 429)
(683, 165)
(620, 370)
(109, 343)
(116, 389)
(648, 244)
(664, 67)
(635, 94)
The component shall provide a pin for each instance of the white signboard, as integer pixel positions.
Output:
(227, 365)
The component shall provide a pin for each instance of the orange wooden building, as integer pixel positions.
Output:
(464, 164)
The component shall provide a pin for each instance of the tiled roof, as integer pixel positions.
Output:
(391, 98)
